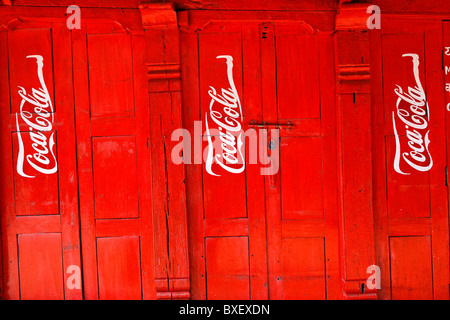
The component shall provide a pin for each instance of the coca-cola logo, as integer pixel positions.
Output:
(225, 113)
(36, 111)
(412, 117)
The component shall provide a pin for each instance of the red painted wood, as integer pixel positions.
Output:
(303, 269)
(111, 88)
(308, 203)
(208, 42)
(216, 198)
(169, 198)
(302, 89)
(212, 45)
(119, 268)
(28, 192)
(411, 268)
(283, 236)
(47, 204)
(9, 238)
(83, 3)
(354, 153)
(68, 190)
(115, 177)
(41, 266)
(412, 217)
(227, 266)
(114, 167)
(194, 198)
(125, 18)
(438, 189)
(304, 175)
(255, 206)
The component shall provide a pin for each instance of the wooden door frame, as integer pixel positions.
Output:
(168, 180)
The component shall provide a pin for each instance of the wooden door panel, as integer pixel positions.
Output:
(115, 177)
(110, 75)
(298, 85)
(213, 74)
(113, 162)
(227, 268)
(41, 266)
(228, 256)
(303, 262)
(40, 229)
(411, 269)
(38, 41)
(411, 211)
(301, 178)
(28, 191)
(40, 195)
(301, 207)
(119, 268)
(408, 195)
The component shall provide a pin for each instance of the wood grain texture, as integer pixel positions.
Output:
(41, 267)
(411, 269)
(412, 217)
(119, 268)
(354, 138)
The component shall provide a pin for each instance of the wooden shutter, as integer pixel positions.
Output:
(39, 191)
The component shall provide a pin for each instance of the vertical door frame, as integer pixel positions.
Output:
(168, 180)
(354, 148)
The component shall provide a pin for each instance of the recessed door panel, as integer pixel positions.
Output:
(119, 268)
(41, 266)
(227, 268)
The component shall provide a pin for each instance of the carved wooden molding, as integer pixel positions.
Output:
(352, 16)
(353, 72)
(354, 128)
(169, 216)
(162, 71)
(158, 16)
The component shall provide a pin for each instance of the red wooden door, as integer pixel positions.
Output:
(41, 247)
(113, 146)
(254, 236)
(301, 199)
(410, 207)
(226, 212)
(76, 128)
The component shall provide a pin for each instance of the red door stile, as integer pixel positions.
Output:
(40, 229)
(112, 120)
